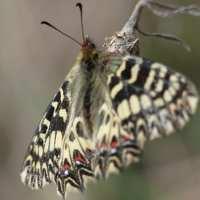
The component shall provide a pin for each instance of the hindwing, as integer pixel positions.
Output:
(115, 148)
(75, 165)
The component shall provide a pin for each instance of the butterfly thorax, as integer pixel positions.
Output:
(84, 81)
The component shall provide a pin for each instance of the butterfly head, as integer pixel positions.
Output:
(88, 49)
(87, 44)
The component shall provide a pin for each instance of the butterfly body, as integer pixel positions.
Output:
(101, 117)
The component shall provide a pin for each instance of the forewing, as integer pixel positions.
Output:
(41, 161)
(150, 99)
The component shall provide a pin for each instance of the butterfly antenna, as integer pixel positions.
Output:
(61, 32)
(80, 6)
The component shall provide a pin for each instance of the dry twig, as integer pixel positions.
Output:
(127, 40)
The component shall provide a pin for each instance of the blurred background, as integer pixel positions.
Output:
(33, 62)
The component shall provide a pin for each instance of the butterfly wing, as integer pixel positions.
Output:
(150, 99)
(115, 148)
(41, 162)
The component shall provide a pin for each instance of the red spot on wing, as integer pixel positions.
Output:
(66, 165)
(102, 144)
(114, 143)
(79, 157)
(127, 137)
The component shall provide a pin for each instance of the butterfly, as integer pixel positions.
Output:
(97, 124)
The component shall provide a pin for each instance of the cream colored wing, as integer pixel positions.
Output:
(150, 99)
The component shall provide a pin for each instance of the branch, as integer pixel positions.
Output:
(166, 37)
(126, 41)
(168, 10)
